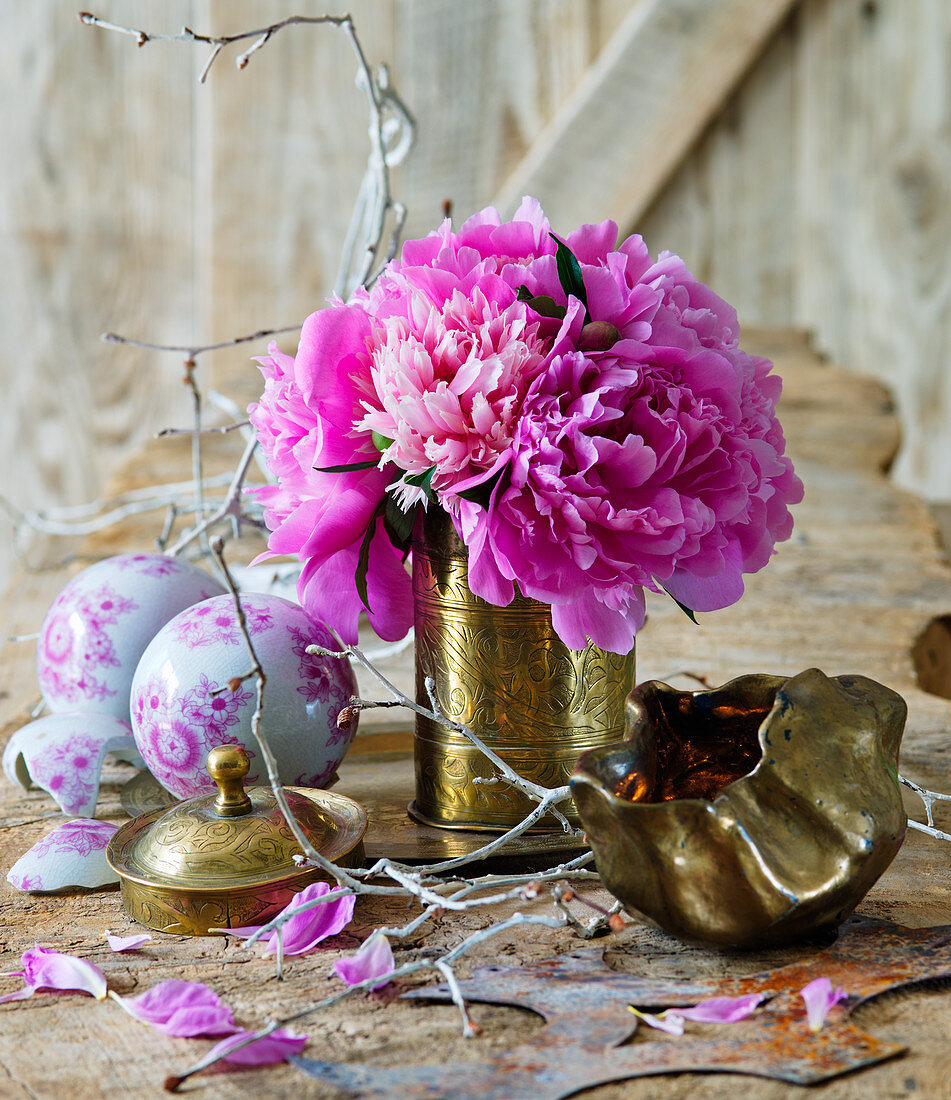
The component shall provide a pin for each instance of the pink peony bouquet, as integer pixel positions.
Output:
(583, 413)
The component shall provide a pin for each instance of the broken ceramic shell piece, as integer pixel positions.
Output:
(73, 854)
(64, 754)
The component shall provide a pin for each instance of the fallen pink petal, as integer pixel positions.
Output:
(127, 943)
(183, 1009)
(374, 959)
(267, 1051)
(721, 1010)
(304, 931)
(44, 968)
(820, 998)
(672, 1023)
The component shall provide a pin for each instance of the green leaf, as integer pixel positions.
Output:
(424, 481)
(686, 610)
(541, 304)
(347, 467)
(363, 561)
(569, 274)
(399, 524)
(381, 442)
(482, 494)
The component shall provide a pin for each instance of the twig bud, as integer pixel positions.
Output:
(616, 922)
(171, 1083)
(234, 683)
(345, 718)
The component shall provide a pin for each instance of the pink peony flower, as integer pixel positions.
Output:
(584, 414)
(451, 380)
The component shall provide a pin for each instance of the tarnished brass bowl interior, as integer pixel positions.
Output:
(753, 814)
(228, 859)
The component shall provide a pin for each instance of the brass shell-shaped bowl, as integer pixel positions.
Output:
(755, 814)
(226, 860)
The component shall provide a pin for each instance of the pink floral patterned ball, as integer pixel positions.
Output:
(179, 713)
(99, 625)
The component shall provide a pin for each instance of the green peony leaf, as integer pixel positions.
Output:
(399, 524)
(482, 494)
(424, 481)
(569, 274)
(381, 442)
(691, 615)
(347, 467)
(363, 561)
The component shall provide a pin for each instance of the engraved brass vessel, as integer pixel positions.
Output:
(751, 815)
(505, 673)
(226, 860)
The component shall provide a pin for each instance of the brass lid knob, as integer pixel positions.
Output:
(228, 766)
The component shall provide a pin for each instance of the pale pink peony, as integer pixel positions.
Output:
(451, 379)
(582, 463)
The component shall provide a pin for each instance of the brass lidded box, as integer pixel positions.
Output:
(226, 860)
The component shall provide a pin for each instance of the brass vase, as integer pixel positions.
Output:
(503, 672)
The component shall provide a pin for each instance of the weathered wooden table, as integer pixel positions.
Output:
(859, 582)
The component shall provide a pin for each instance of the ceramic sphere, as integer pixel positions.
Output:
(99, 625)
(179, 714)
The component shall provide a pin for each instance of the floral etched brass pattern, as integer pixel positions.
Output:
(185, 869)
(195, 914)
(504, 673)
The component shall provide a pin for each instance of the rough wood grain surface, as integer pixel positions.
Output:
(850, 593)
(658, 83)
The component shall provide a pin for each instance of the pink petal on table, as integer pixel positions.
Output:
(73, 854)
(44, 968)
(721, 1010)
(181, 1008)
(126, 943)
(374, 959)
(671, 1023)
(820, 997)
(305, 930)
(276, 1047)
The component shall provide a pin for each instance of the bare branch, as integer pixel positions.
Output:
(224, 430)
(230, 507)
(193, 352)
(217, 42)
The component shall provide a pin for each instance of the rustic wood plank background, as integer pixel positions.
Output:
(133, 199)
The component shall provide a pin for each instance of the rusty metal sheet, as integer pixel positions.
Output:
(584, 1004)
